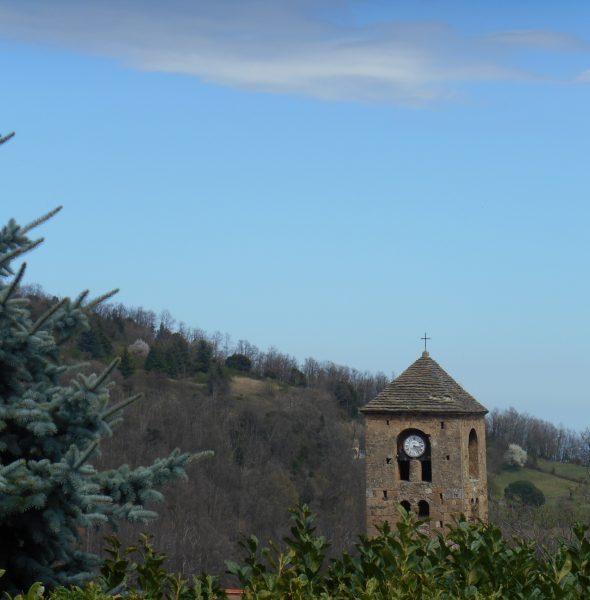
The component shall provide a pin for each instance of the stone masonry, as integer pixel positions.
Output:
(449, 479)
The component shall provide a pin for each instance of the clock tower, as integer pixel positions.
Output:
(425, 449)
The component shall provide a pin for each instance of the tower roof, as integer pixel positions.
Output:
(424, 387)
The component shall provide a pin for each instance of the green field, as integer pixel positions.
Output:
(558, 481)
(565, 470)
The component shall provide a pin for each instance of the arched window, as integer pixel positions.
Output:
(406, 505)
(423, 509)
(473, 455)
(474, 509)
(413, 445)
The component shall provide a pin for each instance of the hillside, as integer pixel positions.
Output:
(564, 485)
(274, 446)
(282, 433)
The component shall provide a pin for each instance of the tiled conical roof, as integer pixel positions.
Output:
(424, 387)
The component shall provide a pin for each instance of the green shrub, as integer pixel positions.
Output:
(123, 578)
(147, 578)
(471, 561)
(526, 492)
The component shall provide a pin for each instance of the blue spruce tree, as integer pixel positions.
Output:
(49, 433)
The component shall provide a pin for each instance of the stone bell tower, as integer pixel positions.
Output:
(425, 449)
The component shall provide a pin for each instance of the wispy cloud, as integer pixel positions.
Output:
(539, 39)
(285, 47)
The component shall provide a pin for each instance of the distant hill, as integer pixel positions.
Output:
(275, 445)
(561, 483)
(282, 433)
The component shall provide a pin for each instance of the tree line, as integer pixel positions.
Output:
(180, 351)
(540, 438)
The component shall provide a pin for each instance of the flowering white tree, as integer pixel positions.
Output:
(139, 347)
(515, 456)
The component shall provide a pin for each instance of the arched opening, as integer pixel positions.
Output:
(473, 455)
(403, 467)
(417, 450)
(406, 505)
(423, 509)
(474, 509)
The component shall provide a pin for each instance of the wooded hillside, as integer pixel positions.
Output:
(283, 433)
(274, 446)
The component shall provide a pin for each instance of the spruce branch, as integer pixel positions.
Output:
(196, 456)
(78, 301)
(121, 405)
(46, 316)
(103, 376)
(102, 298)
(15, 283)
(5, 138)
(18, 251)
(44, 500)
(85, 455)
(40, 220)
(8, 469)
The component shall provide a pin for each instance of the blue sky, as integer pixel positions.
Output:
(331, 178)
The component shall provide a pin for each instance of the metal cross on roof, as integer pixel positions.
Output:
(425, 338)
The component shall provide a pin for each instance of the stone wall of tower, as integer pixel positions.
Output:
(453, 489)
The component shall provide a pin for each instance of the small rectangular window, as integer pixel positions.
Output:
(384, 494)
(441, 498)
(440, 524)
(442, 424)
(448, 457)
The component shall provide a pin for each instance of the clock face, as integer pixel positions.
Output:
(414, 446)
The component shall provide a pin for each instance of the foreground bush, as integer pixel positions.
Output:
(136, 572)
(471, 561)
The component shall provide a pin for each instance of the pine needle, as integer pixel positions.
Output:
(196, 456)
(121, 405)
(41, 220)
(14, 284)
(101, 378)
(46, 316)
(80, 299)
(6, 138)
(18, 251)
(102, 298)
(86, 455)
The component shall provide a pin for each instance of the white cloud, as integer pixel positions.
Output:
(275, 46)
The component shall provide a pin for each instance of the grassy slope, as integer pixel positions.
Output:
(558, 481)
(565, 470)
